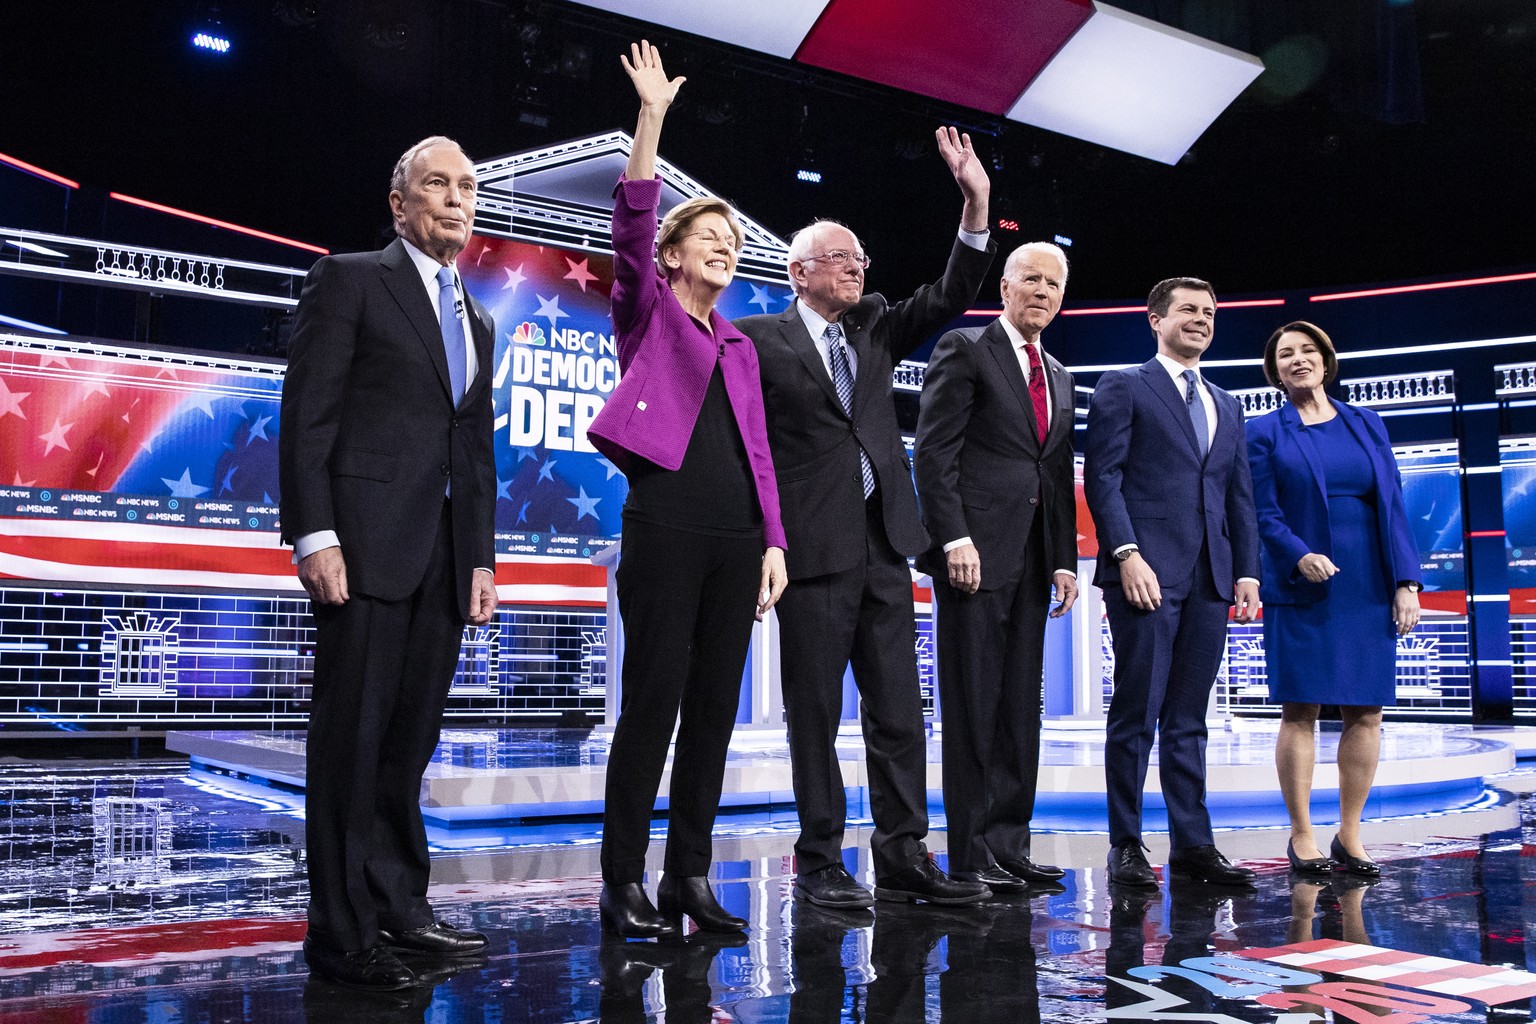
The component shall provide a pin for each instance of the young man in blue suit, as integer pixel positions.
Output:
(1167, 481)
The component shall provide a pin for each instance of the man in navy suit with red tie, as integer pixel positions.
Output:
(388, 496)
(1167, 481)
(994, 477)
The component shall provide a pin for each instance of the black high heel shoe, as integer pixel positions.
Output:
(676, 896)
(626, 910)
(1345, 861)
(1309, 865)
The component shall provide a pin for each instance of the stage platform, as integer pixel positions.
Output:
(491, 780)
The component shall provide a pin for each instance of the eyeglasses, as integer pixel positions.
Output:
(711, 239)
(842, 256)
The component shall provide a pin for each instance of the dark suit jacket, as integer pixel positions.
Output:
(1290, 494)
(981, 470)
(816, 445)
(369, 434)
(1146, 485)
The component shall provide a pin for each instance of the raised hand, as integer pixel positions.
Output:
(643, 65)
(965, 165)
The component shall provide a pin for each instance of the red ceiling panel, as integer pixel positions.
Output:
(977, 53)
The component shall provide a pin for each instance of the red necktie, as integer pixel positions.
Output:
(1037, 395)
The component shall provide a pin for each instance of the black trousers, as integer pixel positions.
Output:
(991, 647)
(382, 673)
(687, 601)
(863, 615)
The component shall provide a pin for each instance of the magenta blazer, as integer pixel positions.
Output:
(666, 360)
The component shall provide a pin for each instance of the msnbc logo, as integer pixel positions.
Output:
(529, 334)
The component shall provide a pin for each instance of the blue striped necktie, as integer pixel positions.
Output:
(842, 380)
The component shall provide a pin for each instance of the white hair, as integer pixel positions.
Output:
(401, 176)
(1049, 248)
(803, 242)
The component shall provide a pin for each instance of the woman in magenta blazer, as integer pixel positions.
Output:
(703, 542)
(1341, 583)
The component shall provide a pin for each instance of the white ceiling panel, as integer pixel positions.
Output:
(1131, 84)
(775, 28)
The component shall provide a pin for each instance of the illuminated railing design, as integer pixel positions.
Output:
(1515, 379)
(35, 254)
(1395, 391)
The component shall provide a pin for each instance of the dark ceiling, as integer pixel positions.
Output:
(1388, 139)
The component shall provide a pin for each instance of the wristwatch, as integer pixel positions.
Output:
(1413, 585)
(1125, 553)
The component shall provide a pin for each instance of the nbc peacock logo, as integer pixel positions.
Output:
(529, 334)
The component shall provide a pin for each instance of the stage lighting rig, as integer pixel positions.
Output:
(209, 33)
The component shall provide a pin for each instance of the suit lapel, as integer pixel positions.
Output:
(480, 333)
(1303, 440)
(1162, 385)
(799, 341)
(404, 284)
(997, 342)
(1063, 404)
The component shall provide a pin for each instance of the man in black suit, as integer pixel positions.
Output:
(388, 496)
(994, 476)
(1166, 476)
(845, 487)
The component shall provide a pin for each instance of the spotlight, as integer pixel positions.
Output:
(808, 176)
(1007, 224)
(209, 41)
(209, 33)
(1063, 241)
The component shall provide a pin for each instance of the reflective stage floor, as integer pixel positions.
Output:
(144, 892)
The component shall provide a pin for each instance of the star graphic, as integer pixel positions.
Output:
(579, 273)
(203, 401)
(56, 437)
(502, 488)
(522, 513)
(525, 453)
(514, 278)
(259, 429)
(546, 471)
(96, 386)
(19, 482)
(608, 467)
(228, 482)
(550, 309)
(10, 401)
(585, 506)
(49, 359)
(184, 488)
(760, 297)
(99, 460)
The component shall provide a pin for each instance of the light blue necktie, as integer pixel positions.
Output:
(842, 380)
(453, 331)
(1197, 413)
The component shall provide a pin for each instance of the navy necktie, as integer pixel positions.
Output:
(453, 331)
(842, 380)
(1197, 413)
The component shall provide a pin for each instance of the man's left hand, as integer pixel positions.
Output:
(482, 597)
(965, 165)
(1245, 595)
(1064, 590)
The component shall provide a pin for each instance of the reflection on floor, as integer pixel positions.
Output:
(142, 892)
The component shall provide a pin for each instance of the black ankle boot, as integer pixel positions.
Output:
(677, 896)
(626, 910)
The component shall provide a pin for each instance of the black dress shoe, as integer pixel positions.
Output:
(691, 895)
(1128, 866)
(1307, 865)
(373, 968)
(925, 881)
(1346, 861)
(1023, 867)
(1206, 864)
(436, 939)
(994, 878)
(834, 887)
(626, 910)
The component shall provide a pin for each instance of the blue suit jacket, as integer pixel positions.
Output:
(1291, 497)
(1146, 484)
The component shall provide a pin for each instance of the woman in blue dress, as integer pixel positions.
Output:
(1341, 583)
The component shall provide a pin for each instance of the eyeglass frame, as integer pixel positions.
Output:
(841, 256)
(734, 242)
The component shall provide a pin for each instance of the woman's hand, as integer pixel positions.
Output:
(1405, 610)
(775, 579)
(643, 65)
(1316, 567)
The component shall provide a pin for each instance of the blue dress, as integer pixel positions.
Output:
(1341, 650)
